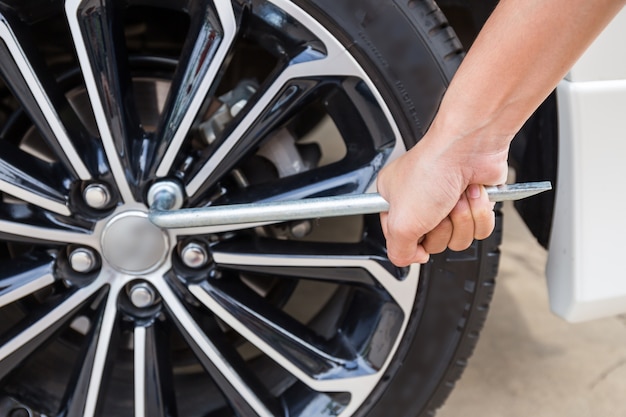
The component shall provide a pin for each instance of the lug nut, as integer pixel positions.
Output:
(142, 295)
(83, 260)
(194, 255)
(165, 195)
(97, 196)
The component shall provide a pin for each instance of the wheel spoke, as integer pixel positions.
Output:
(268, 112)
(92, 376)
(243, 394)
(265, 111)
(154, 396)
(80, 395)
(209, 41)
(97, 31)
(24, 277)
(339, 263)
(35, 333)
(30, 180)
(321, 182)
(44, 109)
(355, 383)
(31, 233)
(289, 343)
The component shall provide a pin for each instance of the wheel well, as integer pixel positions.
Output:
(534, 156)
(534, 150)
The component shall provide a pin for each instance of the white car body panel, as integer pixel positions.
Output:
(586, 277)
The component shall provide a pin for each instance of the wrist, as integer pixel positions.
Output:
(476, 155)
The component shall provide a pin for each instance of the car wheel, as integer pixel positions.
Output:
(106, 103)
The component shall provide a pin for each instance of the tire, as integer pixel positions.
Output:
(102, 111)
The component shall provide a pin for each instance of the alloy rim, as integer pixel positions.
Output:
(146, 318)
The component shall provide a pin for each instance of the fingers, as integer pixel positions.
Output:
(482, 211)
(471, 218)
(436, 241)
(403, 249)
(462, 224)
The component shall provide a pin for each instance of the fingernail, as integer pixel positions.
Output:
(473, 191)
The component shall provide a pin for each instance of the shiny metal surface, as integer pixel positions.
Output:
(97, 196)
(100, 81)
(142, 295)
(168, 195)
(198, 79)
(82, 260)
(280, 211)
(133, 245)
(43, 100)
(194, 255)
(518, 191)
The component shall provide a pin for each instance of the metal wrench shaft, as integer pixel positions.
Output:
(281, 211)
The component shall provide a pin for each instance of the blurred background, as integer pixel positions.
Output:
(529, 362)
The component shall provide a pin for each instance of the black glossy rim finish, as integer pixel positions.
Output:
(297, 319)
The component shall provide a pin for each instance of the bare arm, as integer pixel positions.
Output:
(523, 51)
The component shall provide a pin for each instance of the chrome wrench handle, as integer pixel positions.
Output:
(310, 208)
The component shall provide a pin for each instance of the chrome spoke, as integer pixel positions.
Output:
(77, 390)
(294, 350)
(154, 396)
(51, 201)
(34, 96)
(246, 400)
(95, 33)
(139, 346)
(315, 66)
(101, 358)
(358, 385)
(329, 267)
(13, 351)
(30, 182)
(17, 284)
(328, 181)
(27, 232)
(202, 64)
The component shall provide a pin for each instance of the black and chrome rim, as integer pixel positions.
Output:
(103, 313)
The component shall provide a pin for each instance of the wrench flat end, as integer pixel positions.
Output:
(511, 192)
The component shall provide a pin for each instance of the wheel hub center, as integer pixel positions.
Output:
(132, 244)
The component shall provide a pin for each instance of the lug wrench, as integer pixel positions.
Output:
(308, 208)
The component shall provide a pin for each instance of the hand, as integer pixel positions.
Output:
(433, 206)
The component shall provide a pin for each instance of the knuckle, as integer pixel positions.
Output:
(461, 214)
(458, 245)
(434, 248)
(403, 234)
(397, 260)
(484, 233)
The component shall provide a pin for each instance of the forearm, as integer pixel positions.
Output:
(523, 51)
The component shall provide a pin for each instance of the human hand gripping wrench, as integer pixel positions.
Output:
(163, 215)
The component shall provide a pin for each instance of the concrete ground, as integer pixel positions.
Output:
(531, 363)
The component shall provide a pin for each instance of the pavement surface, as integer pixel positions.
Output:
(529, 362)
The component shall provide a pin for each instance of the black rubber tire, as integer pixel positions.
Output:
(411, 53)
